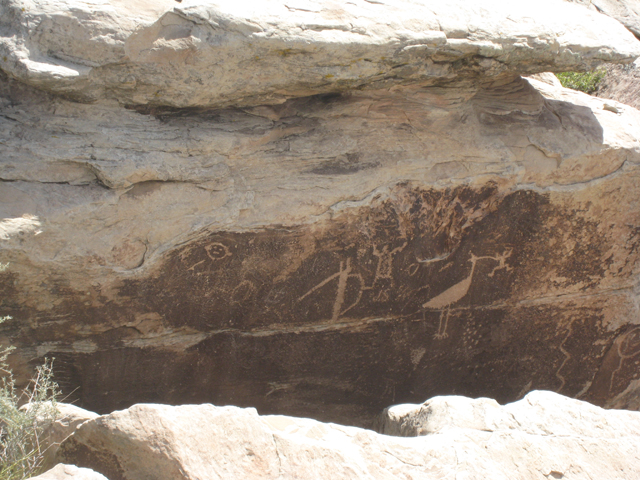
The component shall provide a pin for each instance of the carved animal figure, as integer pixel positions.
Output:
(457, 292)
(450, 296)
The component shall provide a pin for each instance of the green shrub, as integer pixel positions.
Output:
(21, 429)
(587, 82)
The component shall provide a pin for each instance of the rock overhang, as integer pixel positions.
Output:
(251, 53)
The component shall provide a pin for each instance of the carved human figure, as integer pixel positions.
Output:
(342, 276)
(383, 279)
(385, 261)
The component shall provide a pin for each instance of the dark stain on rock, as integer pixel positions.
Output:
(82, 453)
(387, 260)
(419, 294)
(8, 289)
(342, 165)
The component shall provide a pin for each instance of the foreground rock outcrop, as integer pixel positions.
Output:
(359, 217)
(68, 419)
(543, 436)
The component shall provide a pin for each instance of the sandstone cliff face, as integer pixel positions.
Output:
(288, 240)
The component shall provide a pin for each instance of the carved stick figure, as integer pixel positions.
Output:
(343, 276)
(502, 259)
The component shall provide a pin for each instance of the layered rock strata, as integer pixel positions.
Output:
(252, 53)
(313, 247)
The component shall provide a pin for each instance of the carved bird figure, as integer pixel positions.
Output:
(450, 296)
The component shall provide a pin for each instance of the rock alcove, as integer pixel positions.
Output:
(371, 221)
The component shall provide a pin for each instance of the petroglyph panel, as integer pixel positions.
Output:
(387, 259)
(468, 290)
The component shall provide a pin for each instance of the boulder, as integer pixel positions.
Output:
(538, 413)
(70, 472)
(56, 421)
(543, 436)
(68, 419)
(254, 53)
(317, 249)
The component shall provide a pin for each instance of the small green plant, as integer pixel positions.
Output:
(24, 418)
(586, 82)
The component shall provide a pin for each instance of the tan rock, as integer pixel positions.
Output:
(70, 472)
(547, 77)
(252, 53)
(626, 12)
(543, 436)
(538, 413)
(68, 419)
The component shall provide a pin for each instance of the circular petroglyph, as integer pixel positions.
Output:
(217, 251)
(630, 343)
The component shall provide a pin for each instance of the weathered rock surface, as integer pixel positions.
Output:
(538, 413)
(69, 418)
(330, 255)
(542, 436)
(626, 12)
(621, 83)
(69, 472)
(304, 286)
(251, 53)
